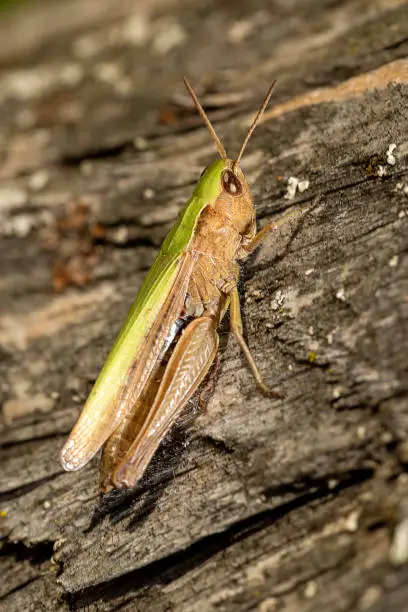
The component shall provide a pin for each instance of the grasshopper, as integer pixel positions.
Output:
(169, 340)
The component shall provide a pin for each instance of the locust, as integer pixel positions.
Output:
(169, 340)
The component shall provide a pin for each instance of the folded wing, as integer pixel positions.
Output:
(188, 365)
(141, 342)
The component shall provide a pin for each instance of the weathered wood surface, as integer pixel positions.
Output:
(256, 504)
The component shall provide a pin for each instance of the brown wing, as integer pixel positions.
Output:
(186, 369)
(117, 445)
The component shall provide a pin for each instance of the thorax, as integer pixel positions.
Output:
(216, 236)
(217, 246)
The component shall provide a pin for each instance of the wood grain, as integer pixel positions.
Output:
(254, 504)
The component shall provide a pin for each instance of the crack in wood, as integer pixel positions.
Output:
(181, 562)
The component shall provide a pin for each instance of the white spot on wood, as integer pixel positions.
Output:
(39, 180)
(120, 235)
(303, 186)
(337, 391)
(148, 193)
(278, 300)
(294, 185)
(140, 143)
(341, 294)
(361, 432)
(332, 484)
(291, 188)
(310, 589)
(351, 521)
(389, 154)
(393, 263)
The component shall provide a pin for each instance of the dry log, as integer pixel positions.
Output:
(297, 504)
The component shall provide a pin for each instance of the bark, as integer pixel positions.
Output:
(255, 504)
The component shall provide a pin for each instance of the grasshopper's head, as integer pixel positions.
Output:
(224, 177)
(224, 185)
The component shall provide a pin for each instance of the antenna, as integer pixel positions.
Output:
(255, 122)
(203, 114)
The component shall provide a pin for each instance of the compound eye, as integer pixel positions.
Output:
(231, 183)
